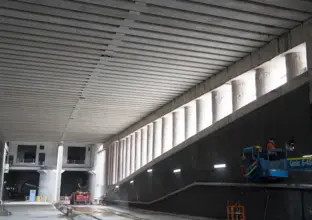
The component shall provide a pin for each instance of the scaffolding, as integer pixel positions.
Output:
(235, 211)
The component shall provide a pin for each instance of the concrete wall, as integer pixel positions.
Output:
(2, 162)
(284, 118)
(50, 149)
(88, 161)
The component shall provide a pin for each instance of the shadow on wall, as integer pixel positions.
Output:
(284, 118)
(260, 203)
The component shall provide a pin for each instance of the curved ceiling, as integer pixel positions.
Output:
(83, 70)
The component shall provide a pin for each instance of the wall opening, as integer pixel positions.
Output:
(26, 153)
(17, 185)
(76, 155)
(73, 181)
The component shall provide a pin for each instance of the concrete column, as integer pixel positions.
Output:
(124, 161)
(109, 158)
(157, 138)
(138, 150)
(3, 149)
(47, 188)
(59, 171)
(190, 120)
(115, 162)
(295, 64)
(166, 131)
(120, 159)
(144, 146)
(97, 184)
(243, 91)
(111, 163)
(203, 112)
(133, 151)
(309, 64)
(178, 134)
(128, 152)
(149, 142)
(221, 103)
(264, 80)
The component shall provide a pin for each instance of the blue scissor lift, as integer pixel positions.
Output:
(260, 164)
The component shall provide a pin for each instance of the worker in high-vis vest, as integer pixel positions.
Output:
(271, 144)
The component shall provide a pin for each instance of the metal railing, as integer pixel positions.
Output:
(23, 160)
(78, 162)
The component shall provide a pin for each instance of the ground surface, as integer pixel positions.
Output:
(113, 213)
(28, 211)
(32, 211)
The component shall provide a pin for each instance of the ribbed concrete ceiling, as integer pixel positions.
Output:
(82, 70)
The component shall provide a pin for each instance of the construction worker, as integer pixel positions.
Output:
(271, 144)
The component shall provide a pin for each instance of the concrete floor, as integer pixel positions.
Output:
(114, 213)
(31, 211)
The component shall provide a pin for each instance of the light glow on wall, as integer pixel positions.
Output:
(219, 166)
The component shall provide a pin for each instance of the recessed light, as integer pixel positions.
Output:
(150, 170)
(117, 186)
(177, 170)
(131, 181)
(217, 166)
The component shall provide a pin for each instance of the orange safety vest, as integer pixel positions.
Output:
(270, 145)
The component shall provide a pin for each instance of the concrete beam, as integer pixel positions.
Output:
(298, 35)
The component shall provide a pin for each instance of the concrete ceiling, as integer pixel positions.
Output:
(83, 70)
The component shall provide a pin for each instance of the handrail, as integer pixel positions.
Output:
(222, 184)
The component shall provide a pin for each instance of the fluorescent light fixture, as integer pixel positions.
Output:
(117, 186)
(150, 170)
(131, 181)
(217, 166)
(177, 171)
(307, 155)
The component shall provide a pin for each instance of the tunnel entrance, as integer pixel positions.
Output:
(74, 180)
(17, 185)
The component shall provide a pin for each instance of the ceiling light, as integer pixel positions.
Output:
(150, 170)
(307, 155)
(217, 166)
(131, 181)
(117, 186)
(177, 171)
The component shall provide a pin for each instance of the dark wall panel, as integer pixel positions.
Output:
(284, 118)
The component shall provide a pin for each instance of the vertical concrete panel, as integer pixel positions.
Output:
(149, 142)
(128, 150)
(144, 145)
(203, 112)
(133, 152)
(166, 133)
(59, 168)
(117, 160)
(138, 150)
(309, 64)
(190, 120)
(3, 147)
(295, 64)
(221, 102)
(178, 134)
(122, 159)
(157, 138)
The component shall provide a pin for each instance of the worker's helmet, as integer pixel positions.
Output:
(272, 140)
